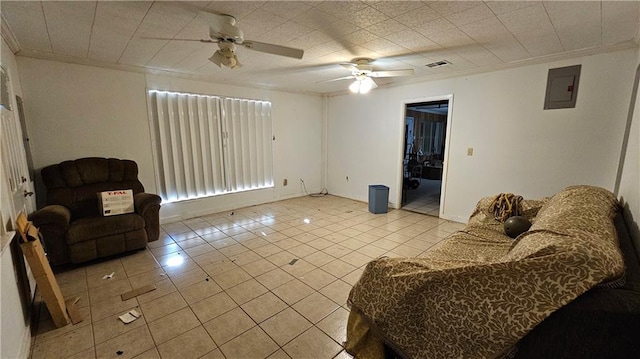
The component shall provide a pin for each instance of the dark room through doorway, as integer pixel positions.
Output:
(425, 134)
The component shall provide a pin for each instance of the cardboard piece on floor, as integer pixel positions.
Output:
(45, 280)
(136, 292)
(73, 312)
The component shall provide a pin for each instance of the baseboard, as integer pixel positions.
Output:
(454, 218)
(25, 347)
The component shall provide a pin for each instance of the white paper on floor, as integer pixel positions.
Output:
(109, 276)
(129, 316)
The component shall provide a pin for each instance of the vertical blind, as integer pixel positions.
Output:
(207, 145)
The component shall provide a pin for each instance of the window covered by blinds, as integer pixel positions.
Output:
(207, 145)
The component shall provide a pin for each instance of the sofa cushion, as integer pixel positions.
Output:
(94, 227)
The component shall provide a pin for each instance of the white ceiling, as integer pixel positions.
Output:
(475, 36)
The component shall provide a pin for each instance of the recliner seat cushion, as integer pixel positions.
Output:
(95, 227)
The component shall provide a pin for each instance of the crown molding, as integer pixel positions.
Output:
(8, 36)
(421, 79)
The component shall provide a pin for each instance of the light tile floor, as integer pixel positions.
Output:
(425, 199)
(267, 281)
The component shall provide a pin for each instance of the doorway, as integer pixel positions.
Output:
(426, 126)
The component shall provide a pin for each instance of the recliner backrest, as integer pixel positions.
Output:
(75, 184)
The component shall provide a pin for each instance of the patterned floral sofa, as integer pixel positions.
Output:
(567, 288)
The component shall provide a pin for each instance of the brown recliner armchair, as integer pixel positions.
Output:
(72, 226)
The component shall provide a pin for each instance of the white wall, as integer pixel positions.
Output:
(76, 111)
(518, 146)
(629, 191)
(15, 335)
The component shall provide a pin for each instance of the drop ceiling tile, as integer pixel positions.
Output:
(501, 7)
(470, 15)
(196, 29)
(361, 51)
(286, 32)
(315, 18)
(418, 16)
(387, 28)
(359, 37)
(114, 25)
(286, 9)
(412, 40)
(533, 29)
(107, 46)
(453, 38)
(385, 47)
(26, 20)
(163, 20)
(413, 60)
(433, 27)
(341, 9)
(495, 37)
(237, 9)
(196, 60)
(171, 16)
(395, 8)
(365, 17)
(140, 51)
(309, 40)
(340, 28)
(259, 22)
(172, 53)
(619, 21)
(70, 38)
(449, 7)
(478, 55)
(577, 26)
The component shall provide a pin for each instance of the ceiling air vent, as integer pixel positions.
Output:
(438, 64)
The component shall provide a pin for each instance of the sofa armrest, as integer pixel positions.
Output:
(53, 223)
(148, 206)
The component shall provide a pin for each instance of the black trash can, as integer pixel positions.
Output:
(378, 198)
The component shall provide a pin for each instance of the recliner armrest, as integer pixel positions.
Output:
(52, 215)
(148, 206)
(144, 201)
(53, 221)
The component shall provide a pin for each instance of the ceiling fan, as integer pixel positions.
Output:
(363, 73)
(224, 32)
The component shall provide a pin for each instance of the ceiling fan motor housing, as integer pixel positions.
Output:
(228, 33)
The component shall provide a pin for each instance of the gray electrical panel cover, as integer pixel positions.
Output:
(562, 87)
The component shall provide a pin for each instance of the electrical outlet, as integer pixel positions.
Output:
(470, 151)
(284, 182)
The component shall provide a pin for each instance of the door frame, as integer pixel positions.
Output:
(447, 141)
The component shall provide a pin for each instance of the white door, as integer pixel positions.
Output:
(13, 154)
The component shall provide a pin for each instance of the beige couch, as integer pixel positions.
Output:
(478, 292)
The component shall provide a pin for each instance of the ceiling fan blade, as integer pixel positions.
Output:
(349, 66)
(338, 79)
(273, 49)
(392, 73)
(373, 83)
(170, 39)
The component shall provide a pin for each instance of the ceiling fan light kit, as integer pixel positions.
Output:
(363, 73)
(225, 56)
(363, 84)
